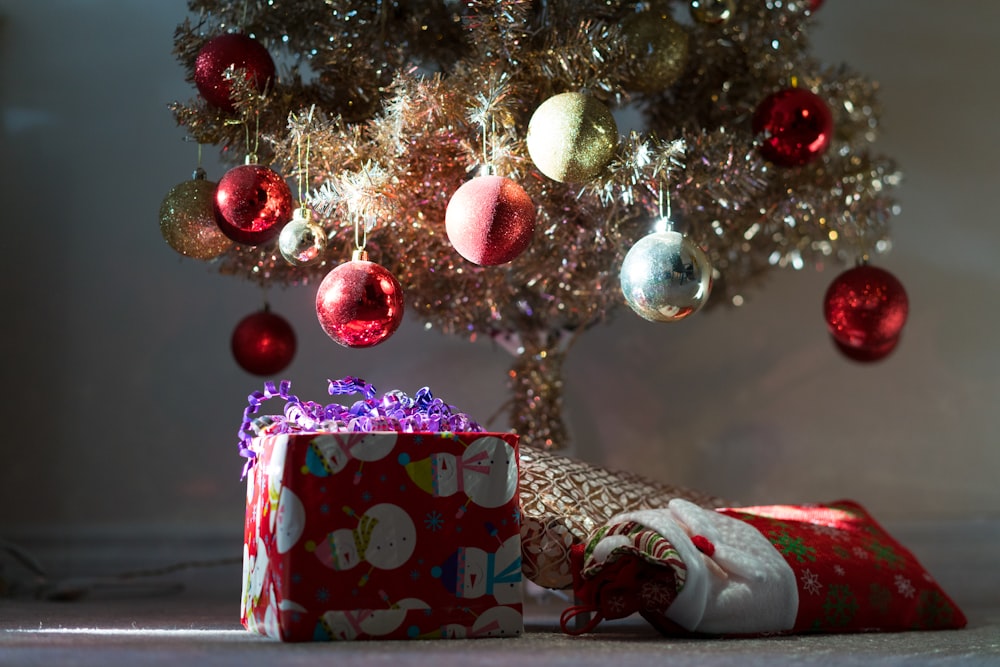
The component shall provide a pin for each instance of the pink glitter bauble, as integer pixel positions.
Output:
(230, 50)
(490, 220)
(359, 304)
(252, 204)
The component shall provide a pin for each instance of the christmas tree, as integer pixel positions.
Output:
(520, 169)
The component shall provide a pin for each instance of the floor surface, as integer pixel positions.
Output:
(187, 628)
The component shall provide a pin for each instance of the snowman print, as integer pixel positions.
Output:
(486, 472)
(354, 623)
(272, 625)
(384, 538)
(286, 513)
(329, 454)
(494, 622)
(254, 573)
(471, 572)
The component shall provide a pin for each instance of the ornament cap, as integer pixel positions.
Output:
(359, 255)
(199, 174)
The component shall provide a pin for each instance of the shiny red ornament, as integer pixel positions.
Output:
(359, 304)
(795, 126)
(867, 356)
(263, 343)
(865, 309)
(490, 220)
(212, 67)
(252, 204)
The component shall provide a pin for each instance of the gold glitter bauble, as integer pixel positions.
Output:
(712, 12)
(572, 137)
(187, 220)
(658, 47)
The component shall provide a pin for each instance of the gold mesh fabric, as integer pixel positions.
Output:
(564, 500)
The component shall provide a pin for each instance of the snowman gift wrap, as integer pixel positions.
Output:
(380, 534)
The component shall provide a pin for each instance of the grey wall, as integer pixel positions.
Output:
(121, 400)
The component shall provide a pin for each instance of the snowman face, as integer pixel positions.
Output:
(507, 572)
(393, 538)
(338, 626)
(333, 451)
(373, 446)
(254, 569)
(454, 631)
(275, 469)
(489, 472)
(345, 551)
(271, 627)
(445, 471)
(382, 621)
(291, 520)
(474, 573)
(499, 622)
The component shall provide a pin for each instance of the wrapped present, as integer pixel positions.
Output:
(391, 534)
(755, 570)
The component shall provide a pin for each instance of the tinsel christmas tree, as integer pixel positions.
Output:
(379, 112)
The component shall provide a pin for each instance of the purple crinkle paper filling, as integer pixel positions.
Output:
(394, 411)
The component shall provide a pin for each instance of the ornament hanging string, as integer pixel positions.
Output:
(489, 147)
(303, 148)
(360, 239)
(483, 113)
(665, 222)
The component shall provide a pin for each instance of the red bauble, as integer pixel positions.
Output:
(359, 304)
(231, 50)
(263, 343)
(795, 125)
(865, 356)
(490, 220)
(865, 309)
(252, 204)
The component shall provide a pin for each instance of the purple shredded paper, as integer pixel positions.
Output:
(394, 411)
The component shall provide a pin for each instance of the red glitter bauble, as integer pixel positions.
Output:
(263, 343)
(795, 125)
(359, 304)
(865, 356)
(865, 309)
(231, 50)
(252, 204)
(490, 220)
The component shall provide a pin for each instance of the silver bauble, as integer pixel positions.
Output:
(665, 277)
(302, 241)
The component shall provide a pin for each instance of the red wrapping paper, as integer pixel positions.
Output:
(383, 535)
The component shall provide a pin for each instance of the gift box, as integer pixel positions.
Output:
(383, 535)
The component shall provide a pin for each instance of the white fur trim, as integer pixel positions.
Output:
(745, 587)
